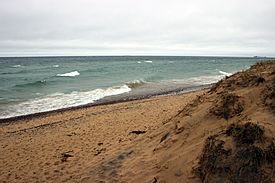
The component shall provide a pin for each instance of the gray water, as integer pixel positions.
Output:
(38, 84)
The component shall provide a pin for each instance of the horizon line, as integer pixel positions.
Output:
(37, 56)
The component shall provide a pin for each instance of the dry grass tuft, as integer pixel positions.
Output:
(247, 159)
(227, 106)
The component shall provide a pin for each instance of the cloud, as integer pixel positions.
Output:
(145, 27)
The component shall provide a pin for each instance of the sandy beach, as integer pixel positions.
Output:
(32, 149)
(119, 91)
(160, 139)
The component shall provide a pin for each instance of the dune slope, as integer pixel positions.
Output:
(196, 144)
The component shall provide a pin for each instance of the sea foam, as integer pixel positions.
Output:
(200, 80)
(69, 74)
(60, 100)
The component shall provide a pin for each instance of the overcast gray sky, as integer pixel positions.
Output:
(137, 27)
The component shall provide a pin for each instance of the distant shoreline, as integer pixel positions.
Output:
(220, 56)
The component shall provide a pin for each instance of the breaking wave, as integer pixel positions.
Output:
(69, 74)
(60, 100)
(135, 83)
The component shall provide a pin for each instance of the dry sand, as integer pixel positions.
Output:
(160, 139)
(31, 150)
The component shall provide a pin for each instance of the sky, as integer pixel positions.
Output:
(137, 27)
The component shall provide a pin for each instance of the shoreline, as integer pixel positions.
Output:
(166, 138)
(72, 146)
(107, 101)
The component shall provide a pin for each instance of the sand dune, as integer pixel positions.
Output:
(194, 137)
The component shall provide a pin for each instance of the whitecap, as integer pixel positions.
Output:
(55, 65)
(148, 61)
(69, 74)
(139, 62)
(15, 66)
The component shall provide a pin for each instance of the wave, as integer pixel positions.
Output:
(148, 61)
(199, 80)
(32, 84)
(60, 100)
(204, 80)
(154, 78)
(69, 74)
(225, 73)
(15, 66)
(135, 83)
(14, 72)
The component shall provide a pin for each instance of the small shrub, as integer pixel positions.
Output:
(228, 106)
(212, 155)
(246, 160)
(269, 96)
(245, 134)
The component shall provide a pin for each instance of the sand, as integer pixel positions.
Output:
(154, 140)
(31, 150)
